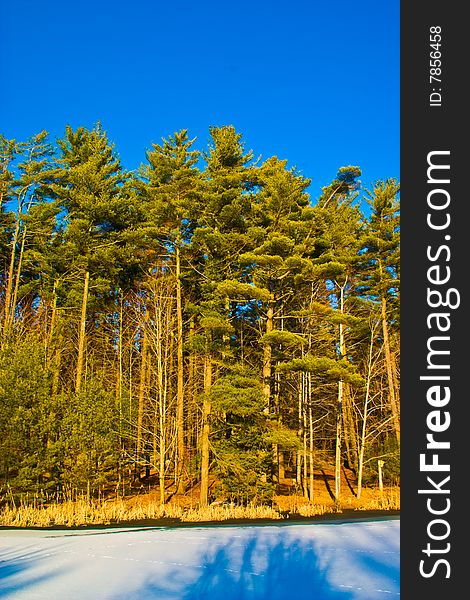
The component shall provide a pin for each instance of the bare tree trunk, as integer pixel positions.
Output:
(364, 417)
(81, 338)
(380, 464)
(142, 387)
(267, 368)
(119, 392)
(180, 488)
(305, 453)
(191, 420)
(120, 370)
(205, 448)
(310, 421)
(18, 276)
(349, 428)
(10, 277)
(161, 349)
(298, 477)
(338, 441)
(163, 401)
(390, 375)
(339, 415)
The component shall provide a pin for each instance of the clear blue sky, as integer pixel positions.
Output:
(313, 81)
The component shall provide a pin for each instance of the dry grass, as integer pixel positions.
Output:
(223, 513)
(389, 499)
(323, 503)
(312, 510)
(81, 512)
(147, 507)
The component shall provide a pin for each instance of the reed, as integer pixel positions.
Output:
(83, 511)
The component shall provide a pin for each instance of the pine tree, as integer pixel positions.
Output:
(25, 186)
(171, 195)
(90, 191)
(381, 273)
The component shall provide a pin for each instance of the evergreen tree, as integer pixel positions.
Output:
(171, 194)
(380, 271)
(90, 191)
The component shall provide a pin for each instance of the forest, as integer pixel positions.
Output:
(201, 320)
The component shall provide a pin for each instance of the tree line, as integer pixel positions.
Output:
(200, 319)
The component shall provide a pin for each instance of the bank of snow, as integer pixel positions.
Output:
(355, 560)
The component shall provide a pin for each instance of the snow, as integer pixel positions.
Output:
(336, 560)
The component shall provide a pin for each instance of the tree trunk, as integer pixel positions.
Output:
(180, 488)
(310, 421)
(390, 376)
(142, 389)
(267, 356)
(205, 449)
(191, 421)
(339, 415)
(14, 299)
(81, 338)
(161, 350)
(9, 283)
(364, 417)
(338, 441)
(119, 377)
(305, 454)
(349, 426)
(298, 477)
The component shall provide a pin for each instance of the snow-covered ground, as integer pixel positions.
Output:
(350, 561)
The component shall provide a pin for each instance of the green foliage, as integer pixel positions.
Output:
(236, 290)
(284, 338)
(210, 261)
(326, 367)
(281, 435)
(237, 394)
(28, 429)
(242, 475)
(89, 438)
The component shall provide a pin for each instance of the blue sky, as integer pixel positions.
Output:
(314, 82)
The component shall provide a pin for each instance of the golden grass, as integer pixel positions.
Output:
(147, 507)
(323, 503)
(389, 499)
(222, 513)
(312, 510)
(81, 512)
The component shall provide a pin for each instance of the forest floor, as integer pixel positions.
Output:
(141, 506)
(289, 501)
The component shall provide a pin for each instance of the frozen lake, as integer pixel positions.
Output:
(356, 560)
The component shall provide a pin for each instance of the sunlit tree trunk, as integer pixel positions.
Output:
(339, 414)
(142, 388)
(392, 387)
(81, 338)
(267, 367)
(14, 299)
(349, 428)
(161, 350)
(310, 421)
(305, 448)
(298, 477)
(365, 416)
(205, 448)
(180, 380)
(7, 320)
